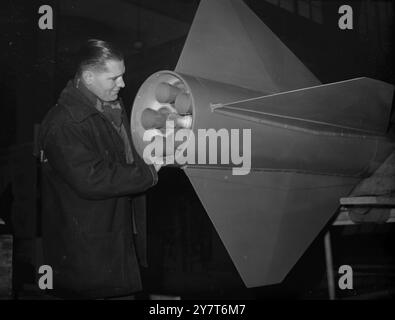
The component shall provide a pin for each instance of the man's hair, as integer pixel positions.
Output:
(95, 53)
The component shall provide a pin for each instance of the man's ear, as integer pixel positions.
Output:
(87, 77)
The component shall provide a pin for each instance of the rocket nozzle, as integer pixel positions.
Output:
(166, 93)
(152, 119)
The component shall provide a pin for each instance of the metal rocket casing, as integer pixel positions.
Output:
(203, 94)
(311, 143)
(317, 147)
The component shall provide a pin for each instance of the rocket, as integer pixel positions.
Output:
(308, 143)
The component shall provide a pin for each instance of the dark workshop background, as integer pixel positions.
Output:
(187, 258)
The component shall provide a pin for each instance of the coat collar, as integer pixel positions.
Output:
(79, 101)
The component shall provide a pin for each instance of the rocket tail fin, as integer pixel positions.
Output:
(267, 219)
(228, 43)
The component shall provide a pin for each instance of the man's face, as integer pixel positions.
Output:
(106, 83)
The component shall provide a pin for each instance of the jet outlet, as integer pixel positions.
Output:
(162, 106)
(183, 103)
(166, 93)
(151, 119)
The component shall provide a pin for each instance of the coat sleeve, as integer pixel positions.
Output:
(87, 172)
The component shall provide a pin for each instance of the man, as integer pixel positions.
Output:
(91, 176)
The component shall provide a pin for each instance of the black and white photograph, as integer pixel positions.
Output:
(197, 155)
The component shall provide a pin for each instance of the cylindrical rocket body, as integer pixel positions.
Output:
(223, 139)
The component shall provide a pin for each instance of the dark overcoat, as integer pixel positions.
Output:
(88, 188)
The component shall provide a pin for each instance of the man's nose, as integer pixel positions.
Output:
(121, 83)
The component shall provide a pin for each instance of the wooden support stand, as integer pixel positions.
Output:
(372, 210)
